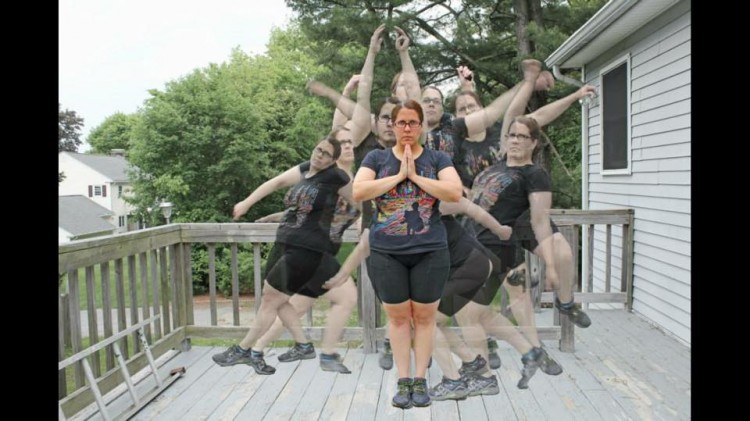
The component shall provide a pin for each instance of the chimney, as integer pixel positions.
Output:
(117, 152)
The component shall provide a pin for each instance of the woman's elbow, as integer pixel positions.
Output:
(455, 193)
(358, 194)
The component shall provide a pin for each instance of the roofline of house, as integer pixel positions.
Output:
(601, 20)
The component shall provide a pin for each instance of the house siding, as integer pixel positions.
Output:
(659, 186)
(78, 178)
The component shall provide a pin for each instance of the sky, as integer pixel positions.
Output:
(113, 51)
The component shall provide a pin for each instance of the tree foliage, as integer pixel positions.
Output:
(491, 37)
(114, 133)
(214, 135)
(69, 125)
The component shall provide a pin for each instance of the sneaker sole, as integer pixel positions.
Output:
(230, 364)
(407, 406)
(304, 357)
(422, 406)
(337, 370)
(449, 397)
(262, 373)
(493, 391)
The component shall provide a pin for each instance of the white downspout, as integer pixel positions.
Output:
(584, 166)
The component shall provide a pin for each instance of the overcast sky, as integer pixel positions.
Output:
(113, 51)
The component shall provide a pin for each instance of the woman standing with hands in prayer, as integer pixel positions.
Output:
(409, 261)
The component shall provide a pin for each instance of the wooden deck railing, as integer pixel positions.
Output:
(595, 224)
(155, 268)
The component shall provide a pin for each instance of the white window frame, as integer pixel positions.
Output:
(625, 58)
(97, 191)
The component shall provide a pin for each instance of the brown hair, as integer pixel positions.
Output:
(410, 105)
(394, 82)
(535, 131)
(467, 93)
(331, 138)
(388, 100)
(442, 98)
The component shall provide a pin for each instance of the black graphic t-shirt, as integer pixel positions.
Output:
(310, 206)
(407, 218)
(441, 137)
(503, 191)
(370, 143)
(471, 158)
(344, 215)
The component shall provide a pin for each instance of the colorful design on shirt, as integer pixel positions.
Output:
(343, 216)
(441, 140)
(300, 200)
(405, 216)
(477, 161)
(405, 209)
(489, 185)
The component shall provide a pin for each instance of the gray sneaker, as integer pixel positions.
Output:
(386, 356)
(402, 398)
(531, 361)
(479, 385)
(299, 351)
(574, 313)
(449, 389)
(547, 364)
(233, 355)
(419, 394)
(236, 355)
(332, 362)
(495, 362)
(477, 366)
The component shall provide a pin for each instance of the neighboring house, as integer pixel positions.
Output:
(101, 178)
(79, 218)
(637, 144)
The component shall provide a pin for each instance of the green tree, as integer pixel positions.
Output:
(214, 135)
(491, 37)
(114, 133)
(69, 126)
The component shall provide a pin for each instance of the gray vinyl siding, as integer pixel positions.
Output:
(659, 186)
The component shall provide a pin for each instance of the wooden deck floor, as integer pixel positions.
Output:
(623, 369)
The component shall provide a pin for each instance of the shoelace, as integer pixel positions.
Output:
(404, 388)
(419, 387)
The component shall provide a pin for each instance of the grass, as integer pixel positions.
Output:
(97, 287)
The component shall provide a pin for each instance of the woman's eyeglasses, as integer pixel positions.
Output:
(323, 152)
(413, 124)
(517, 135)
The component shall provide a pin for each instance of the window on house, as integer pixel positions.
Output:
(615, 116)
(119, 191)
(121, 221)
(97, 190)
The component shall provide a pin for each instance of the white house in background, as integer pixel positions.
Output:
(101, 178)
(79, 218)
(636, 144)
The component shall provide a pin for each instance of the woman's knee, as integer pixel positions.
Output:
(424, 314)
(562, 248)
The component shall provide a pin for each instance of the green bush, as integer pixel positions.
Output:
(223, 267)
